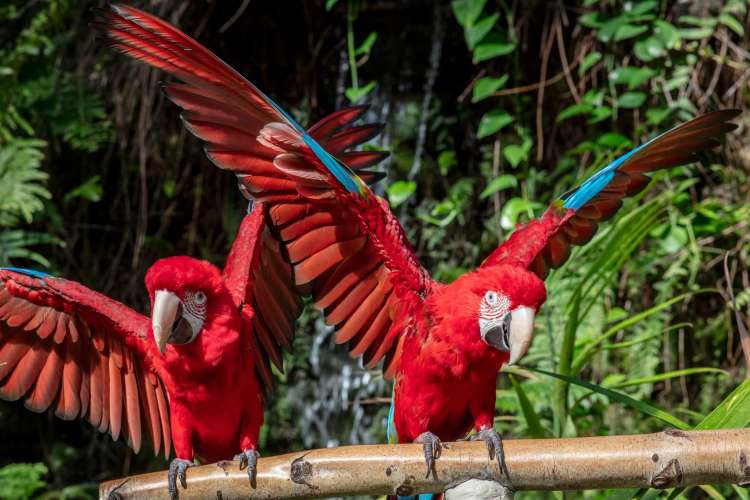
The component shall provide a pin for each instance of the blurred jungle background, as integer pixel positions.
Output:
(492, 108)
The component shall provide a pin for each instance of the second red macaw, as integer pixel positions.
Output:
(443, 343)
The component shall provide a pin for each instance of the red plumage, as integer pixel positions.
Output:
(443, 343)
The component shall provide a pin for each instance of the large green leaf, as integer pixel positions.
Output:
(732, 413)
(620, 397)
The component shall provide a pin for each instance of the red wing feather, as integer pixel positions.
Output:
(65, 347)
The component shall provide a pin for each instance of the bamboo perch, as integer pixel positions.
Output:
(664, 460)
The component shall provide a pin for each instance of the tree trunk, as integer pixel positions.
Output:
(665, 460)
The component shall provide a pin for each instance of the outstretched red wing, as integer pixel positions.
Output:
(330, 224)
(262, 284)
(68, 348)
(573, 219)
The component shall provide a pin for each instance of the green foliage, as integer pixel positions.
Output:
(22, 190)
(22, 481)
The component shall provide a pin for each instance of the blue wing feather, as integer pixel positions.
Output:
(390, 429)
(594, 184)
(28, 272)
(340, 171)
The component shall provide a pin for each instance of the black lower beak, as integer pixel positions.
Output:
(499, 336)
(181, 331)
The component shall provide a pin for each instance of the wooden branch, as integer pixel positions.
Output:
(664, 460)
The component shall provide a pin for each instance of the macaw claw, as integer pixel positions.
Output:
(177, 469)
(433, 448)
(494, 443)
(249, 459)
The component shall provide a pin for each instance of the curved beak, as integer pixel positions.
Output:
(163, 316)
(521, 332)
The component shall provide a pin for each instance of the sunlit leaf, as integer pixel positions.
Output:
(476, 32)
(492, 46)
(400, 191)
(641, 7)
(588, 61)
(498, 184)
(649, 49)
(512, 209)
(574, 110)
(627, 31)
(631, 76)
(486, 86)
(667, 33)
(732, 413)
(493, 122)
(355, 94)
(446, 161)
(467, 11)
(90, 190)
(516, 153)
(732, 23)
(367, 44)
(631, 100)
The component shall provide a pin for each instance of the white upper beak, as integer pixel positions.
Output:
(163, 316)
(521, 331)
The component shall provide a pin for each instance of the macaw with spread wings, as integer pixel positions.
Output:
(443, 343)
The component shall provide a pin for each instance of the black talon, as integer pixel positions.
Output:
(494, 443)
(177, 469)
(249, 459)
(432, 451)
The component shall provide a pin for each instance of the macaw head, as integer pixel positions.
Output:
(493, 308)
(191, 308)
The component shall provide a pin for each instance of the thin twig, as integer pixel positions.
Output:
(717, 71)
(235, 16)
(540, 98)
(471, 85)
(532, 86)
(744, 336)
(564, 61)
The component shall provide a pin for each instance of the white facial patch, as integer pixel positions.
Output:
(194, 310)
(492, 309)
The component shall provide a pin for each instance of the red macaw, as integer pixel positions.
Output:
(443, 343)
(189, 376)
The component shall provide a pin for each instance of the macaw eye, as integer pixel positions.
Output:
(491, 297)
(199, 298)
